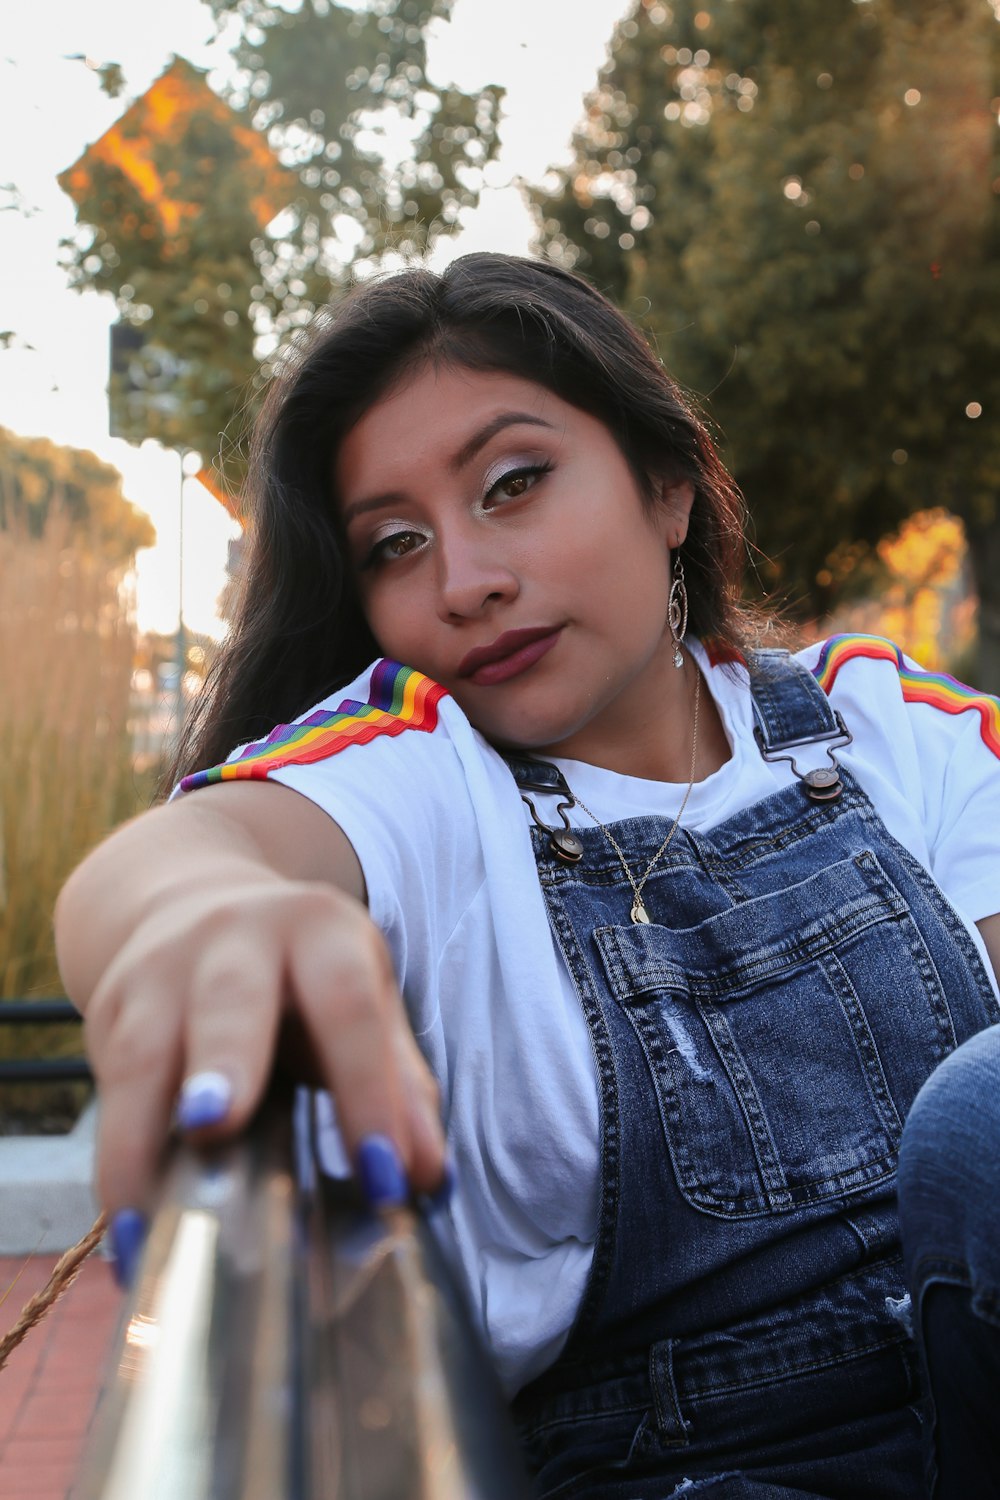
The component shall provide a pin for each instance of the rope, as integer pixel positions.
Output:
(64, 1273)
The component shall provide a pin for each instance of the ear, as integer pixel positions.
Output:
(674, 502)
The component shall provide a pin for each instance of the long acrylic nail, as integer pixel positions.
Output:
(127, 1236)
(204, 1099)
(383, 1180)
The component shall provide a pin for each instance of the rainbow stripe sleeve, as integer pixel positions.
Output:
(398, 698)
(935, 688)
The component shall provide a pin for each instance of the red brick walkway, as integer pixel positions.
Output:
(49, 1386)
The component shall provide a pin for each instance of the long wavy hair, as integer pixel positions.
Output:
(298, 631)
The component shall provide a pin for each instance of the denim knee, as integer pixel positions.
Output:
(949, 1175)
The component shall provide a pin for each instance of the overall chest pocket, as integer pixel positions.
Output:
(786, 1037)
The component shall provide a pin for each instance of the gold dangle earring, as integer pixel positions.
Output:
(677, 610)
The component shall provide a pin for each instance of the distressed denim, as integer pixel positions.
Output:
(758, 1048)
(949, 1207)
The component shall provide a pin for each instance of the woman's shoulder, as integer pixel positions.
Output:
(861, 658)
(388, 704)
(394, 761)
(876, 675)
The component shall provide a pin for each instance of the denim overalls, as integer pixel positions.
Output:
(758, 1047)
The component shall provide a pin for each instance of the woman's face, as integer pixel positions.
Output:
(501, 546)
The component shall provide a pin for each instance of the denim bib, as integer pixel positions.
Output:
(757, 1046)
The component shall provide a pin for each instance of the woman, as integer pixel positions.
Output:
(682, 927)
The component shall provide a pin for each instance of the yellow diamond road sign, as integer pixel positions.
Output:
(144, 147)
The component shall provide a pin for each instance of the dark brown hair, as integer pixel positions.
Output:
(299, 632)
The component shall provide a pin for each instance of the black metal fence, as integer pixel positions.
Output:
(41, 1069)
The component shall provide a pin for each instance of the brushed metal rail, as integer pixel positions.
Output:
(282, 1342)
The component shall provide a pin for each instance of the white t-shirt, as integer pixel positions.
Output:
(443, 840)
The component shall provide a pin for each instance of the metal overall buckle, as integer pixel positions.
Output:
(823, 784)
(563, 842)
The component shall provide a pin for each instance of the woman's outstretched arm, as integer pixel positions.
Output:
(194, 935)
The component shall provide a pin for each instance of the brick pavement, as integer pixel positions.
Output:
(50, 1384)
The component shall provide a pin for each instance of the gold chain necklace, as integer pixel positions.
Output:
(638, 913)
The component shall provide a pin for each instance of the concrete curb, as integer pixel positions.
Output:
(46, 1197)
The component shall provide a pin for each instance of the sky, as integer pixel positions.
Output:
(53, 376)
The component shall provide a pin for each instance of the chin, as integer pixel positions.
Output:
(530, 734)
(535, 723)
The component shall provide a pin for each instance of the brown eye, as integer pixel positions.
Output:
(515, 483)
(399, 544)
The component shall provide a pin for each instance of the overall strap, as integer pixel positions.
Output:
(791, 711)
(789, 705)
(541, 778)
(536, 775)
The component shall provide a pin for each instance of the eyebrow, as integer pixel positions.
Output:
(458, 460)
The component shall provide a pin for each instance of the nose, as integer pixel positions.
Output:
(473, 574)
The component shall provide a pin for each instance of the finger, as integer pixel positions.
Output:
(422, 1105)
(345, 1002)
(137, 1072)
(230, 1035)
(347, 998)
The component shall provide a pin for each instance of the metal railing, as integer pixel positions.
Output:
(284, 1343)
(41, 1069)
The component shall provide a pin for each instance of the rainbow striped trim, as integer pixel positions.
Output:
(935, 688)
(398, 698)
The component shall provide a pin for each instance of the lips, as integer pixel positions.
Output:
(509, 655)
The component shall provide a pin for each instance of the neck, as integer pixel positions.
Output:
(657, 746)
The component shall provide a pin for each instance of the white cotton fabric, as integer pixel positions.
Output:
(443, 840)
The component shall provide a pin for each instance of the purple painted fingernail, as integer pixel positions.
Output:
(383, 1180)
(204, 1100)
(127, 1236)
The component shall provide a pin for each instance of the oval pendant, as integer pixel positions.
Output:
(639, 914)
(566, 845)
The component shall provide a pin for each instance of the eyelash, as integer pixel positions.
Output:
(379, 554)
(523, 471)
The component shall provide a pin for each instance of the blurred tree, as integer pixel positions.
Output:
(800, 199)
(219, 224)
(924, 561)
(42, 481)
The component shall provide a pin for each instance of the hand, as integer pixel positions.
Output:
(193, 937)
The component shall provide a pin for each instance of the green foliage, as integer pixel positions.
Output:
(40, 479)
(805, 192)
(331, 90)
(326, 81)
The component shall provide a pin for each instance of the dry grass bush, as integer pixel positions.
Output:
(67, 642)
